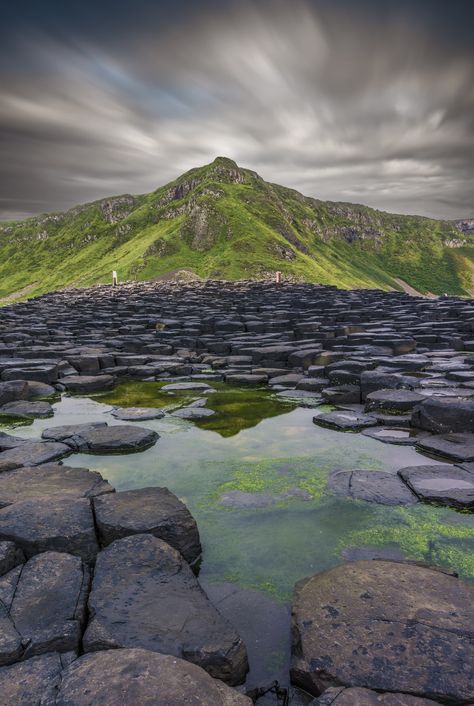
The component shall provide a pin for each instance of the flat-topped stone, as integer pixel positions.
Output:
(188, 386)
(137, 414)
(26, 408)
(385, 626)
(51, 524)
(156, 511)
(345, 421)
(380, 487)
(392, 401)
(100, 438)
(32, 453)
(144, 594)
(444, 414)
(441, 484)
(456, 447)
(48, 480)
(87, 383)
(158, 680)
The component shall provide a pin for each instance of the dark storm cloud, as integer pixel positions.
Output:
(365, 101)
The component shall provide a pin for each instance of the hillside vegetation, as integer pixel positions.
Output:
(225, 222)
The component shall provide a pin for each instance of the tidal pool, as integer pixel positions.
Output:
(265, 453)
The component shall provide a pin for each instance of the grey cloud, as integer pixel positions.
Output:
(361, 107)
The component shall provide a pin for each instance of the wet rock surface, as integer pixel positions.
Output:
(374, 486)
(156, 511)
(442, 484)
(137, 676)
(145, 595)
(100, 438)
(385, 626)
(339, 696)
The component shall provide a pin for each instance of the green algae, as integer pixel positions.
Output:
(9, 421)
(143, 394)
(437, 536)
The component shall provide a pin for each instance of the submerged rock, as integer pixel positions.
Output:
(137, 414)
(374, 486)
(144, 594)
(386, 626)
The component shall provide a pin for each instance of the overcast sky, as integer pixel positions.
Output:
(369, 101)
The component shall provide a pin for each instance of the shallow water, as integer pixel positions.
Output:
(295, 528)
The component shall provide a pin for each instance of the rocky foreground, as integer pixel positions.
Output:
(99, 599)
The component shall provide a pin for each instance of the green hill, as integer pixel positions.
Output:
(225, 222)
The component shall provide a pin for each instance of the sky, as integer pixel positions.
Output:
(367, 101)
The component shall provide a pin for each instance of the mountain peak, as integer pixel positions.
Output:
(225, 162)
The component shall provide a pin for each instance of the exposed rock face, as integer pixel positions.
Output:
(386, 626)
(156, 511)
(145, 595)
(157, 679)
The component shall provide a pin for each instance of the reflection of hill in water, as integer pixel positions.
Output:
(235, 408)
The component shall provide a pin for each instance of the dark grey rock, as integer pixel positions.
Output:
(144, 594)
(240, 499)
(397, 436)
(374, 486)
(100, 438)
(87, 383)
(32, 453)
(26, 408)
(188, 387)
(48, 606)
(441, 484)
(37, 389)
(456, 447)
(13, 390)
(10, 556)
(137, 414)
(31, 683)
(386, 626)
(48, 480)
(246, 379)
(342, 394)
(392, 401)
(137, 677)
(357, 696)
(51, 524)
(444, 414)
(345, 421)
(192, 412)
(156, 511)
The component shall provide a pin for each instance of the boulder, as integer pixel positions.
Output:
(156, 511)
(51, 524)
(372, 380)
(386, 626)
(441, 484)
(444, 414)
(137, 677)
(48, 480)
(33, 682)
(13, 390)
(102, 439)
(144, 594)
(374, 486)
(342, 394)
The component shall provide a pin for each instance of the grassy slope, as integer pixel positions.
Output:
(226, 222)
